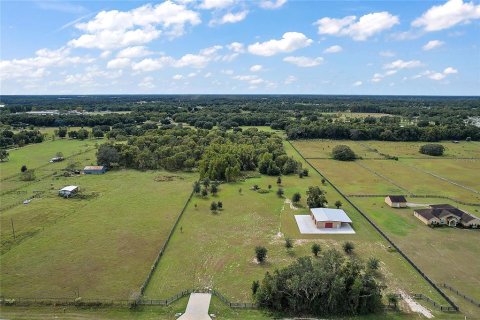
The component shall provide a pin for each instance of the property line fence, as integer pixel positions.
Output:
(450, 302)
(162, 249)
(420, 296)
(415, 196)
(471, 300)
(36, 195)
(121, 302)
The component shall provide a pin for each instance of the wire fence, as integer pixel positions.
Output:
(469, 299)
(450, 302)
(415, 196)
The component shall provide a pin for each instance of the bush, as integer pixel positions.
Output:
(343, 153)
(348, 247)
(280, 192)
(288, 243)
(373, 263)
(316, 249)
(28, 175)
(432, 149)
(261, 253)
(296, 197)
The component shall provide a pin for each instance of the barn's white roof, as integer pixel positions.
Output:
(325, 214)
(69, 188)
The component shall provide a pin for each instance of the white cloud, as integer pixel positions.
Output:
(272, 4)
(437, 76)
(447, 15)
(231, 17)
(216, 4)
(116, 29)
(147, 83)
(401, 64)
(118, 63)
(387, 53)
(290, 79)
(357, 83)
(236, 47)
(37, 66)
(177, 77)
(256, 68)
(359, 30)
(432, 44)
(227, 72)
(105, 54)
(304, 62)
(290, 41)
(207, 75)
(134, 52)
(198, 61)
(333, 49)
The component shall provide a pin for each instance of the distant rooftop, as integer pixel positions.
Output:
(325, 214)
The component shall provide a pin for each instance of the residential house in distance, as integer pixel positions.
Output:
(396, 201)
(68, 191)
(445, 214)
(94, 169)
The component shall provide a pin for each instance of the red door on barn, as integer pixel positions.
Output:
(328, 224)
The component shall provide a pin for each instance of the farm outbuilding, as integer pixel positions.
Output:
(94, 169)
(445, 214)
(329, 218)
(68, 191)
(396, 201)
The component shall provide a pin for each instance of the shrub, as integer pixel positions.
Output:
(288, 243)
(213, 206)
(348, 247)
(255, 286)
(280, 192)
(316, 249)
(432, 149)
(261, 253)
(338, 204)
(296, 197)
(343, 153)
(373, 263)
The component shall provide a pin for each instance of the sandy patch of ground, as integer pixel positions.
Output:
(289, 202)
(415, 306)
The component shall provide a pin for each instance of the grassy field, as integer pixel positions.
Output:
(217, 250)
(101, 246)
(323, 148)
(449, 246)
(410, 149)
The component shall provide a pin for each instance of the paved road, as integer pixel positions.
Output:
(197, 307)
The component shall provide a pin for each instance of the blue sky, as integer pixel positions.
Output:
(234, 46)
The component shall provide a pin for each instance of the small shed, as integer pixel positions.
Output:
(68, 191)
(329, 218)
(396, 201)
(94, 169)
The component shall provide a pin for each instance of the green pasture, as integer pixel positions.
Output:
(462, 149)
(437, 251)
(216, 250)
(321, 148)
(102, 246)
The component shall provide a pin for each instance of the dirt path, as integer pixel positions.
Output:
(415, 306)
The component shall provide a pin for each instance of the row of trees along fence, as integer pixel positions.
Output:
(471, 300)
(162, 249)
(450, 302)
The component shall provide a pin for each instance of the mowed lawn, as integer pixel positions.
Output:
(322, 148)
(101, 247)
(216, 250)
(462, 149)
(436, 251)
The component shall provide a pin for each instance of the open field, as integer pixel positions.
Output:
(101, 246)
(465, 172)
(320, 148)
(456, 249)
(217, 250)
(410, 149)
(36, 155)
(421, 183)
(451, 249)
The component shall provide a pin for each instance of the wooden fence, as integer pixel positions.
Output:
(415, 196)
